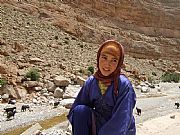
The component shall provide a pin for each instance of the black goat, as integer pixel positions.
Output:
(138, 111)
(56, 104)
(24, 107)
(9, 109)
(12, 101)
(177, 104)
(10, 114)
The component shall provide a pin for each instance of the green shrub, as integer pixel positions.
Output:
(150, 79)
(56, 37)
(81, 71)
(81, 46)
(3, 82)
(91, 69)
(170, 77)
(33, 74)
(153, 73)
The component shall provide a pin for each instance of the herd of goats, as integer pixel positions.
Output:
(11, 110)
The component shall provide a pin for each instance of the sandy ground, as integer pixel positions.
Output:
(164, 125)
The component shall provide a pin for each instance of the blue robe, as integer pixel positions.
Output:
(113, 114)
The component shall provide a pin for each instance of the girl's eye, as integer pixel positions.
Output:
(104, 57)
(115, 60)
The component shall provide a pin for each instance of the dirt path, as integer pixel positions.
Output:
(156, 113)
(159, 106)
(161, 126)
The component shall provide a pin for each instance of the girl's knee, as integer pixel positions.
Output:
(82, 114)
(81, 109)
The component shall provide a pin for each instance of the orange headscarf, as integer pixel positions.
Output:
(107, 80)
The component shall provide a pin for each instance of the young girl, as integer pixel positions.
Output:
(104, 105)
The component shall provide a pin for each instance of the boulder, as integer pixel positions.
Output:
(58, 93)
(61, 81)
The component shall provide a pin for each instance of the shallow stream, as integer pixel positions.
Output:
(45, 124)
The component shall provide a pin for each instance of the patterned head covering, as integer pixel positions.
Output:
(109, 46)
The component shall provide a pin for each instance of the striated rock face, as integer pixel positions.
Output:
(147, 28)
(154, 18)
(151, 17)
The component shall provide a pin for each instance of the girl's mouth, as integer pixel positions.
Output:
(105, 69)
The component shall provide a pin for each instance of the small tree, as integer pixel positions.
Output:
(33, 74)
(153, 73)
(3, 82)
(91, 69)
(170, 77)
(150, 79)
(81, 71)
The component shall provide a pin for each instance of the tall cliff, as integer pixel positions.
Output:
(151, 17)
(147, 28)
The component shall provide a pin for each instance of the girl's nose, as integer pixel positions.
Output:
(108, 64)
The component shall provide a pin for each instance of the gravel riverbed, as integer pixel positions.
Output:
(152, 107)
(24, 118)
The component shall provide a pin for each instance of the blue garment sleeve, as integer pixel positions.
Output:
(122, 115)
(81, 99)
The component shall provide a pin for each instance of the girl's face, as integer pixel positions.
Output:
(109, 58)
